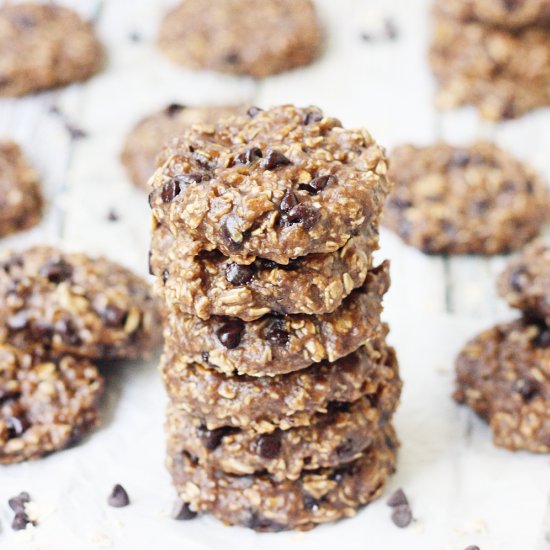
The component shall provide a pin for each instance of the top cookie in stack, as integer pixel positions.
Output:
(280, 379)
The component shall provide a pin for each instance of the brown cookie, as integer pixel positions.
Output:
(274, 184)
(147, 138)
(211, 284)
(245, 37)
(286, 401)
(71, 303)
(44, 46)
(275, 345)
(472, 200)
(504, 376)
(46, 403)
(20, 196)
(525, 284)
(264, 504)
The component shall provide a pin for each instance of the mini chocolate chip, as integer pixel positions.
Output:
(306, 216)
(249, 156)
(113, 215)
(182, 511)
(274, 159)
(289, 201)
(17, 426)
(211, 439)
(311, 503)
(149, 264)
(135, 37)
(118, 497)
(472, 547)
(204, 162)
(170, 190)
(75, 132)
(391, 29)
(18, 321)
(316, 185)
(312, 116)
(229, 334)
(275, 334)
(20, 521)
(113, 316)
(516, 277)
(57, 272)
(397, 498)
(237, 274)
(173, 109)
(165, 275)
(366, 36)
(345, 450)
(402, 515)
(269, 445)
(17, 503)
(253, 111)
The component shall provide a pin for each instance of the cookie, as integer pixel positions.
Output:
(44, 46)
(20, 196)
(472, 200)
(146, 139)
(212, 284)
(286, 401)
(252, 37)
(525, 284)
(504, 74)
(70, 303)
(275, 345)
(273, 184)
(46, 403)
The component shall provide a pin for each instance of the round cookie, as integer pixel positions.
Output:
(44, 46)
(146, 139)
(211, 284)
(273, 184)
(264, 504)
(504, 74)
(286, 401)
(276, 345)
(504, 376)
(20, 196)
(525, 284)
(252, 37)
(473, 200)
(46, 403)
(74, 304)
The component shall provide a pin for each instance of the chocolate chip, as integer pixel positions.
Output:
(182, 511)
(269, 445)
(516, 277)
(316, 185)
(229, 334)
(472, 547)
(204, 162)
(135, 37)
(312, 116)
(112, 215)
(211, 439)
(311, 503)
(231, 234)
(275, 334)
(170, 190)
(173, 109)
(57, 272)
(345, 450)
(274, 159)
(17, 503)
(253, 111)
(165, 275)
(118, 497)
(20, 521)
(391, 29)
(335, 407)
(289, 201)
(237, 274)
(397, 498)
(113, 316)
(75, 132)
(249, 156)
(402, 516)
(17, 426)
(306, 216)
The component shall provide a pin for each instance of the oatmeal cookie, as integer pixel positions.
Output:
(74, 304)
(286, 401)
(473, 200)
(244, 37)
(275, 345)
(20, 196)
(504, 376)
(264, 504)
(273, 184)
(46, 403)
(44, 46)
(146, 139)
(212, 284)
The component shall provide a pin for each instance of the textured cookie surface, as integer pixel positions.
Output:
(264, 504)
(46, 403)
(211, 284)
(474, 200)
(20, 195)
(250, 37)
(44, 46)
(504, 74)
(147, 138)
(274, 184)
(504, 376)
(275, 345)
(74, 304)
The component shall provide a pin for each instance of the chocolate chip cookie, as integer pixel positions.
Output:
(70, 303)
(276, 345)
(20, 195)
(46, 402)
(264, 504)
(211, 284)
(286, 401)
(273, 184)
(504, 74)
(504, 376)
(525, 284)
(44, 46)
(244, 37)
(471, 200)
(147, 138)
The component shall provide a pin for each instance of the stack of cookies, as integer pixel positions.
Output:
(493, 54)
(281, 383)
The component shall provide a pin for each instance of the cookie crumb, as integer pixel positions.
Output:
(118, 497)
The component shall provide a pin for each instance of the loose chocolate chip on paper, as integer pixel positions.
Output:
(118, 497)
(113, 215)
(398, 498)
(253, 111)
(174, 108)
(17, 503)
(472, 547)
(182, 511)
(402, 516)
(20, 521)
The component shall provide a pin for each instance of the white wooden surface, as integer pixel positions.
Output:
(463, 490)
